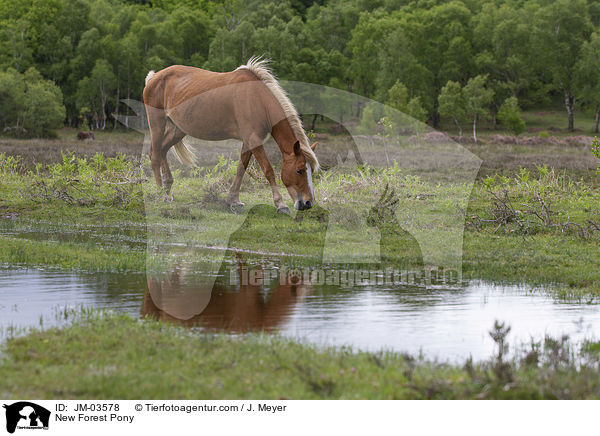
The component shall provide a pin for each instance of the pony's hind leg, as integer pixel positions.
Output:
(234, 192)
(156, 123)
(263, 161)
(171, 136)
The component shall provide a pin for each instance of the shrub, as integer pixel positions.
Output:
(32, 106)
(510, 116)
(368, 122)
(596, 150)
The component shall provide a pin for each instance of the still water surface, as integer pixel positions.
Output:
(443, 324)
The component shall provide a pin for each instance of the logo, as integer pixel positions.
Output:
(26, 415)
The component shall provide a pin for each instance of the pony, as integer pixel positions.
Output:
(85, 135)
(246, 104)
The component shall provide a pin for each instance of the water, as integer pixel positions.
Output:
(441, 323)
(34, 298)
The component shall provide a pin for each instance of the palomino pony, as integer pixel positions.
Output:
(245, 104)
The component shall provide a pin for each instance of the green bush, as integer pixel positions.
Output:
(370, 115)
(596, 150)
(510, 116)
(31, 106)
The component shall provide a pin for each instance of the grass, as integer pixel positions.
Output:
(552, 120)
(75, 256)
(533, 226)
(47, 151)
(115, 356)
(555, 121)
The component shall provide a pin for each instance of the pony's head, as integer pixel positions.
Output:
(296, 175)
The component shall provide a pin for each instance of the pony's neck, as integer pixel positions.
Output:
(284, 136)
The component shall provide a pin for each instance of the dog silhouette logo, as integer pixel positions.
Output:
(26, 415)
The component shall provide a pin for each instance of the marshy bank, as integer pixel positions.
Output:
(537, 226)
(449, 324)
(105, 356)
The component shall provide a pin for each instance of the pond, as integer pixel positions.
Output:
(447, 324)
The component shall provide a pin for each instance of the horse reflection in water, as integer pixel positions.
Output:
(248, 307)
(258, 300)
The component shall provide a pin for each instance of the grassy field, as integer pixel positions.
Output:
(535, 225)
(552, 120)
(114, 356)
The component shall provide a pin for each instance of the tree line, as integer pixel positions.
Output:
(432, 57)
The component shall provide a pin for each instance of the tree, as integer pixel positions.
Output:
(331, 26)
(12, 90)
(510, 116)
(439, 38)
(32, 105)
(395, 109)
(15, 44)
(452, 104)
(44, 109)
(502, 38)
(587, 76)
(371, 115)
(398, 96)
(560, 30)
(366, 38)
(336, 100)
(95, 91)
(418, 115)
(477, 98)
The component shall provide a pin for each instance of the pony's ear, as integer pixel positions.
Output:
(314, 146)
(297, 147)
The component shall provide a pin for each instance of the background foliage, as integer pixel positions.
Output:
(98, 52)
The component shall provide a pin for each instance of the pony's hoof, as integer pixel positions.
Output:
(237, 208)
(284, 209)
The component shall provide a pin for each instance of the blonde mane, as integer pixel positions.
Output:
(260, 68)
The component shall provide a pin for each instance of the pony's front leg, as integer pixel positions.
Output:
(234, 192)
(265, 165)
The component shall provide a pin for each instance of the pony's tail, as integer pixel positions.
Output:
(149, 76)
(185, 153)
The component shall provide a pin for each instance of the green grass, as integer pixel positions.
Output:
(75, 256)
(115, 356)
(570, 266)
(555, 121)
(90, 215)
(552, 120)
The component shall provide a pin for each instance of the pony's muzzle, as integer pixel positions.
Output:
(303, 205)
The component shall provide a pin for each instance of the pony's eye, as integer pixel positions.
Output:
(299, 172)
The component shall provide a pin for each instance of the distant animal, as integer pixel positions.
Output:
(245, 104)
(85, 135)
